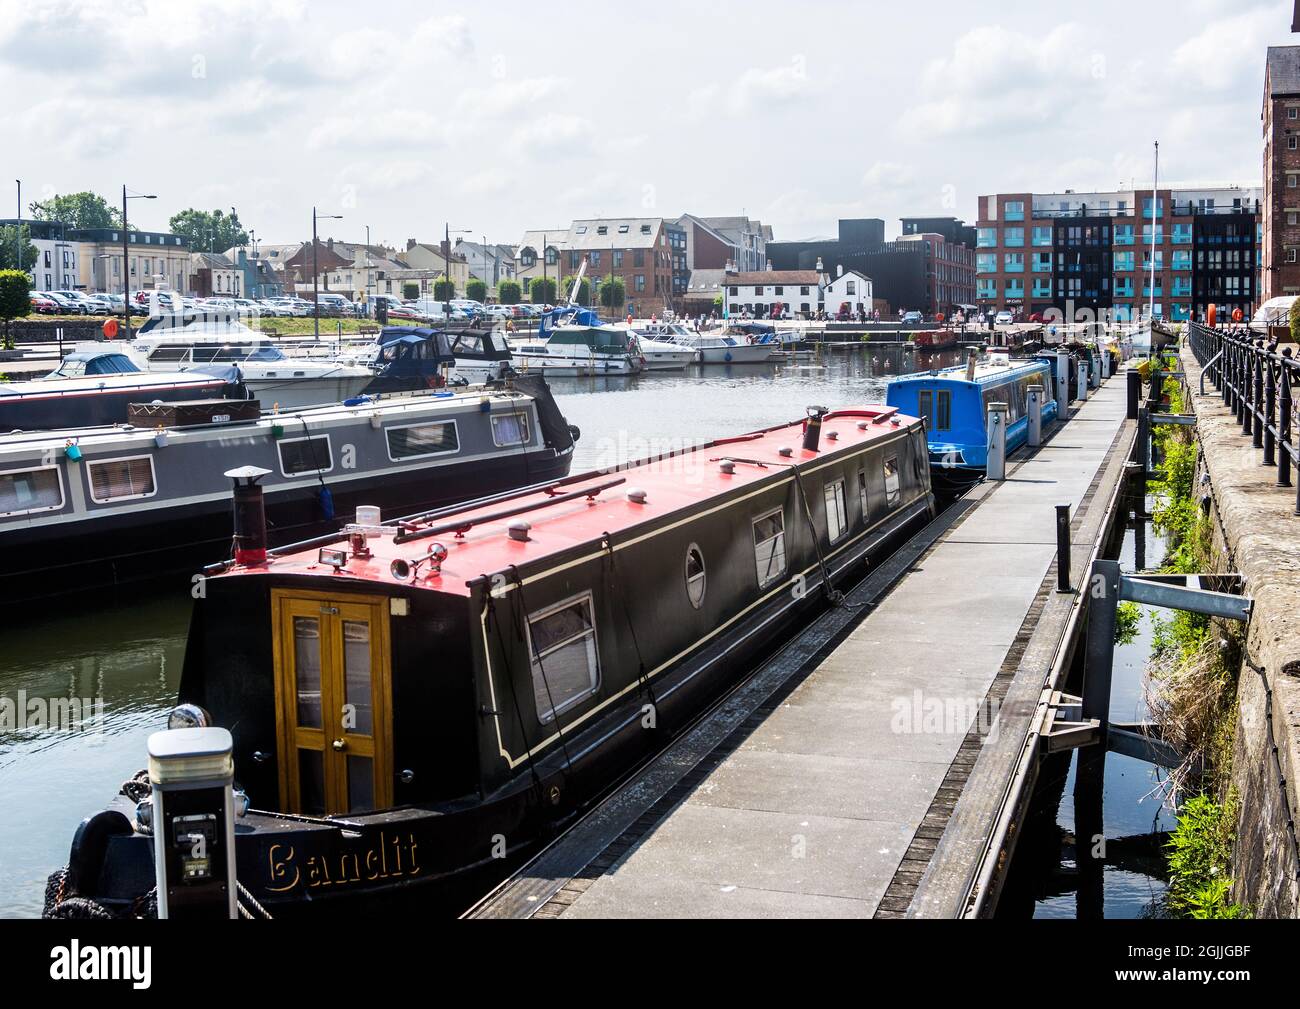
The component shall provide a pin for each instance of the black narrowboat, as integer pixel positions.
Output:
(418, 703)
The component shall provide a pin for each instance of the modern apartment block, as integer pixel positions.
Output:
(1280, 252)
(1093, 251)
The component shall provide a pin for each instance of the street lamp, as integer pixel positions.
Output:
(315, 268)
(126, 257)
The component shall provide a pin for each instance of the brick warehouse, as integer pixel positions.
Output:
(1280, 252)
(1093, 251)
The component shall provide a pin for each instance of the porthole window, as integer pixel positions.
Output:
(695, 577)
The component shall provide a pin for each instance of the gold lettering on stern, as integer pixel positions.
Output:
(389, 857)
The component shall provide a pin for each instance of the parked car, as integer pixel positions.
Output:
(1003, 318)
(43, 305)
(912, 318)
(67, 306)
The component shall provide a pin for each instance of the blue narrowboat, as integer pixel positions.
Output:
(953, 402)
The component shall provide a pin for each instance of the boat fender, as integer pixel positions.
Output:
(326, 503)
(574, 433)
(727, 356)
(89, 845)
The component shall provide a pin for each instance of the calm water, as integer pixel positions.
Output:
(128, 651)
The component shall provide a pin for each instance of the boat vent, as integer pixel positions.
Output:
(519, 531)
(636, 495)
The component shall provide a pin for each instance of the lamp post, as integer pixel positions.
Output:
(370, 298)
(126, 257)
(315, 268)
(18, 232)
(446, 305)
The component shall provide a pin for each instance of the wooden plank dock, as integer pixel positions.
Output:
(865, 770)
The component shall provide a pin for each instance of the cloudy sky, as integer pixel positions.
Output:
(520, 115)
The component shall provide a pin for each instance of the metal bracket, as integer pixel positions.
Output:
(1185, 419)
(1063, 724)
(1161, 592)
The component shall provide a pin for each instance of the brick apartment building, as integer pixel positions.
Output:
(1093, 251)
(1280, 249)
(634, 249)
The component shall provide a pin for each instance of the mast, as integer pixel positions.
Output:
(1155, 182)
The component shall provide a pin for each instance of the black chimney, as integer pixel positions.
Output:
(812, 427)
(250, 515)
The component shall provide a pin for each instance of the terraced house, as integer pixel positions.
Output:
(1174, 251)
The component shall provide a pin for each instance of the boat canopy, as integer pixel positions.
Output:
(82, 363)
(581, 317)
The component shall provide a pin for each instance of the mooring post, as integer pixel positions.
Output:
(1144, 441)
(1062, 385)
(995, 465)
(1063, 548)
(1134, 393)
(1105, 363)
(1035, 415)
(1099, 655)
(1083, 381)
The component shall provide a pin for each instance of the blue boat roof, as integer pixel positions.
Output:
(984, 374)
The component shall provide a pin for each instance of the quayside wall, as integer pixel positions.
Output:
(1257, 532)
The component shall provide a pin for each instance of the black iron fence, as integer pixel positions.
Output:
(1259, 383)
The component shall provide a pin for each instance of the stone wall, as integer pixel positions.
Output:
(1258, 534)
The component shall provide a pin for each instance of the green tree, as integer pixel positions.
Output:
(476, 290)
(410, 290)
(444, 289)
(78, 210)
(541, 291)
(509, 292)
(16, 249)
(584, 290)
(209, 231)
(612, 294)
(15, 301)
(1295, 320)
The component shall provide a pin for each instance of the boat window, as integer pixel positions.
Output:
(695, 579)
(565, 664)
(925, 407)
(172, 353)
(769, 546)
(862, 493)
(266, 354)
(32, 490)
(121, 479)
(943, 410)
(891, 482)
(510, 429)
(422, 439)
(837, 510)
(305, 455)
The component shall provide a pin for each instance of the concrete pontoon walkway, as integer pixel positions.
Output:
(812, 812)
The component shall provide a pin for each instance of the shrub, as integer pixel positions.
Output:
(15, 300)
(509, 292)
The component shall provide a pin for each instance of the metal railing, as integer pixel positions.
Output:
(1258, 383)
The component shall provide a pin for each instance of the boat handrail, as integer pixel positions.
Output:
(406, 536)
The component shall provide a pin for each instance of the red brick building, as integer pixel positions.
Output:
(1280, 252)
(636, 250)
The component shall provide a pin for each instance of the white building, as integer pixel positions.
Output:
(850, 288)
(56, 266)
(757, 293)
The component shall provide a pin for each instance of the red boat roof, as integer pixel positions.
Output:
(583, 509)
